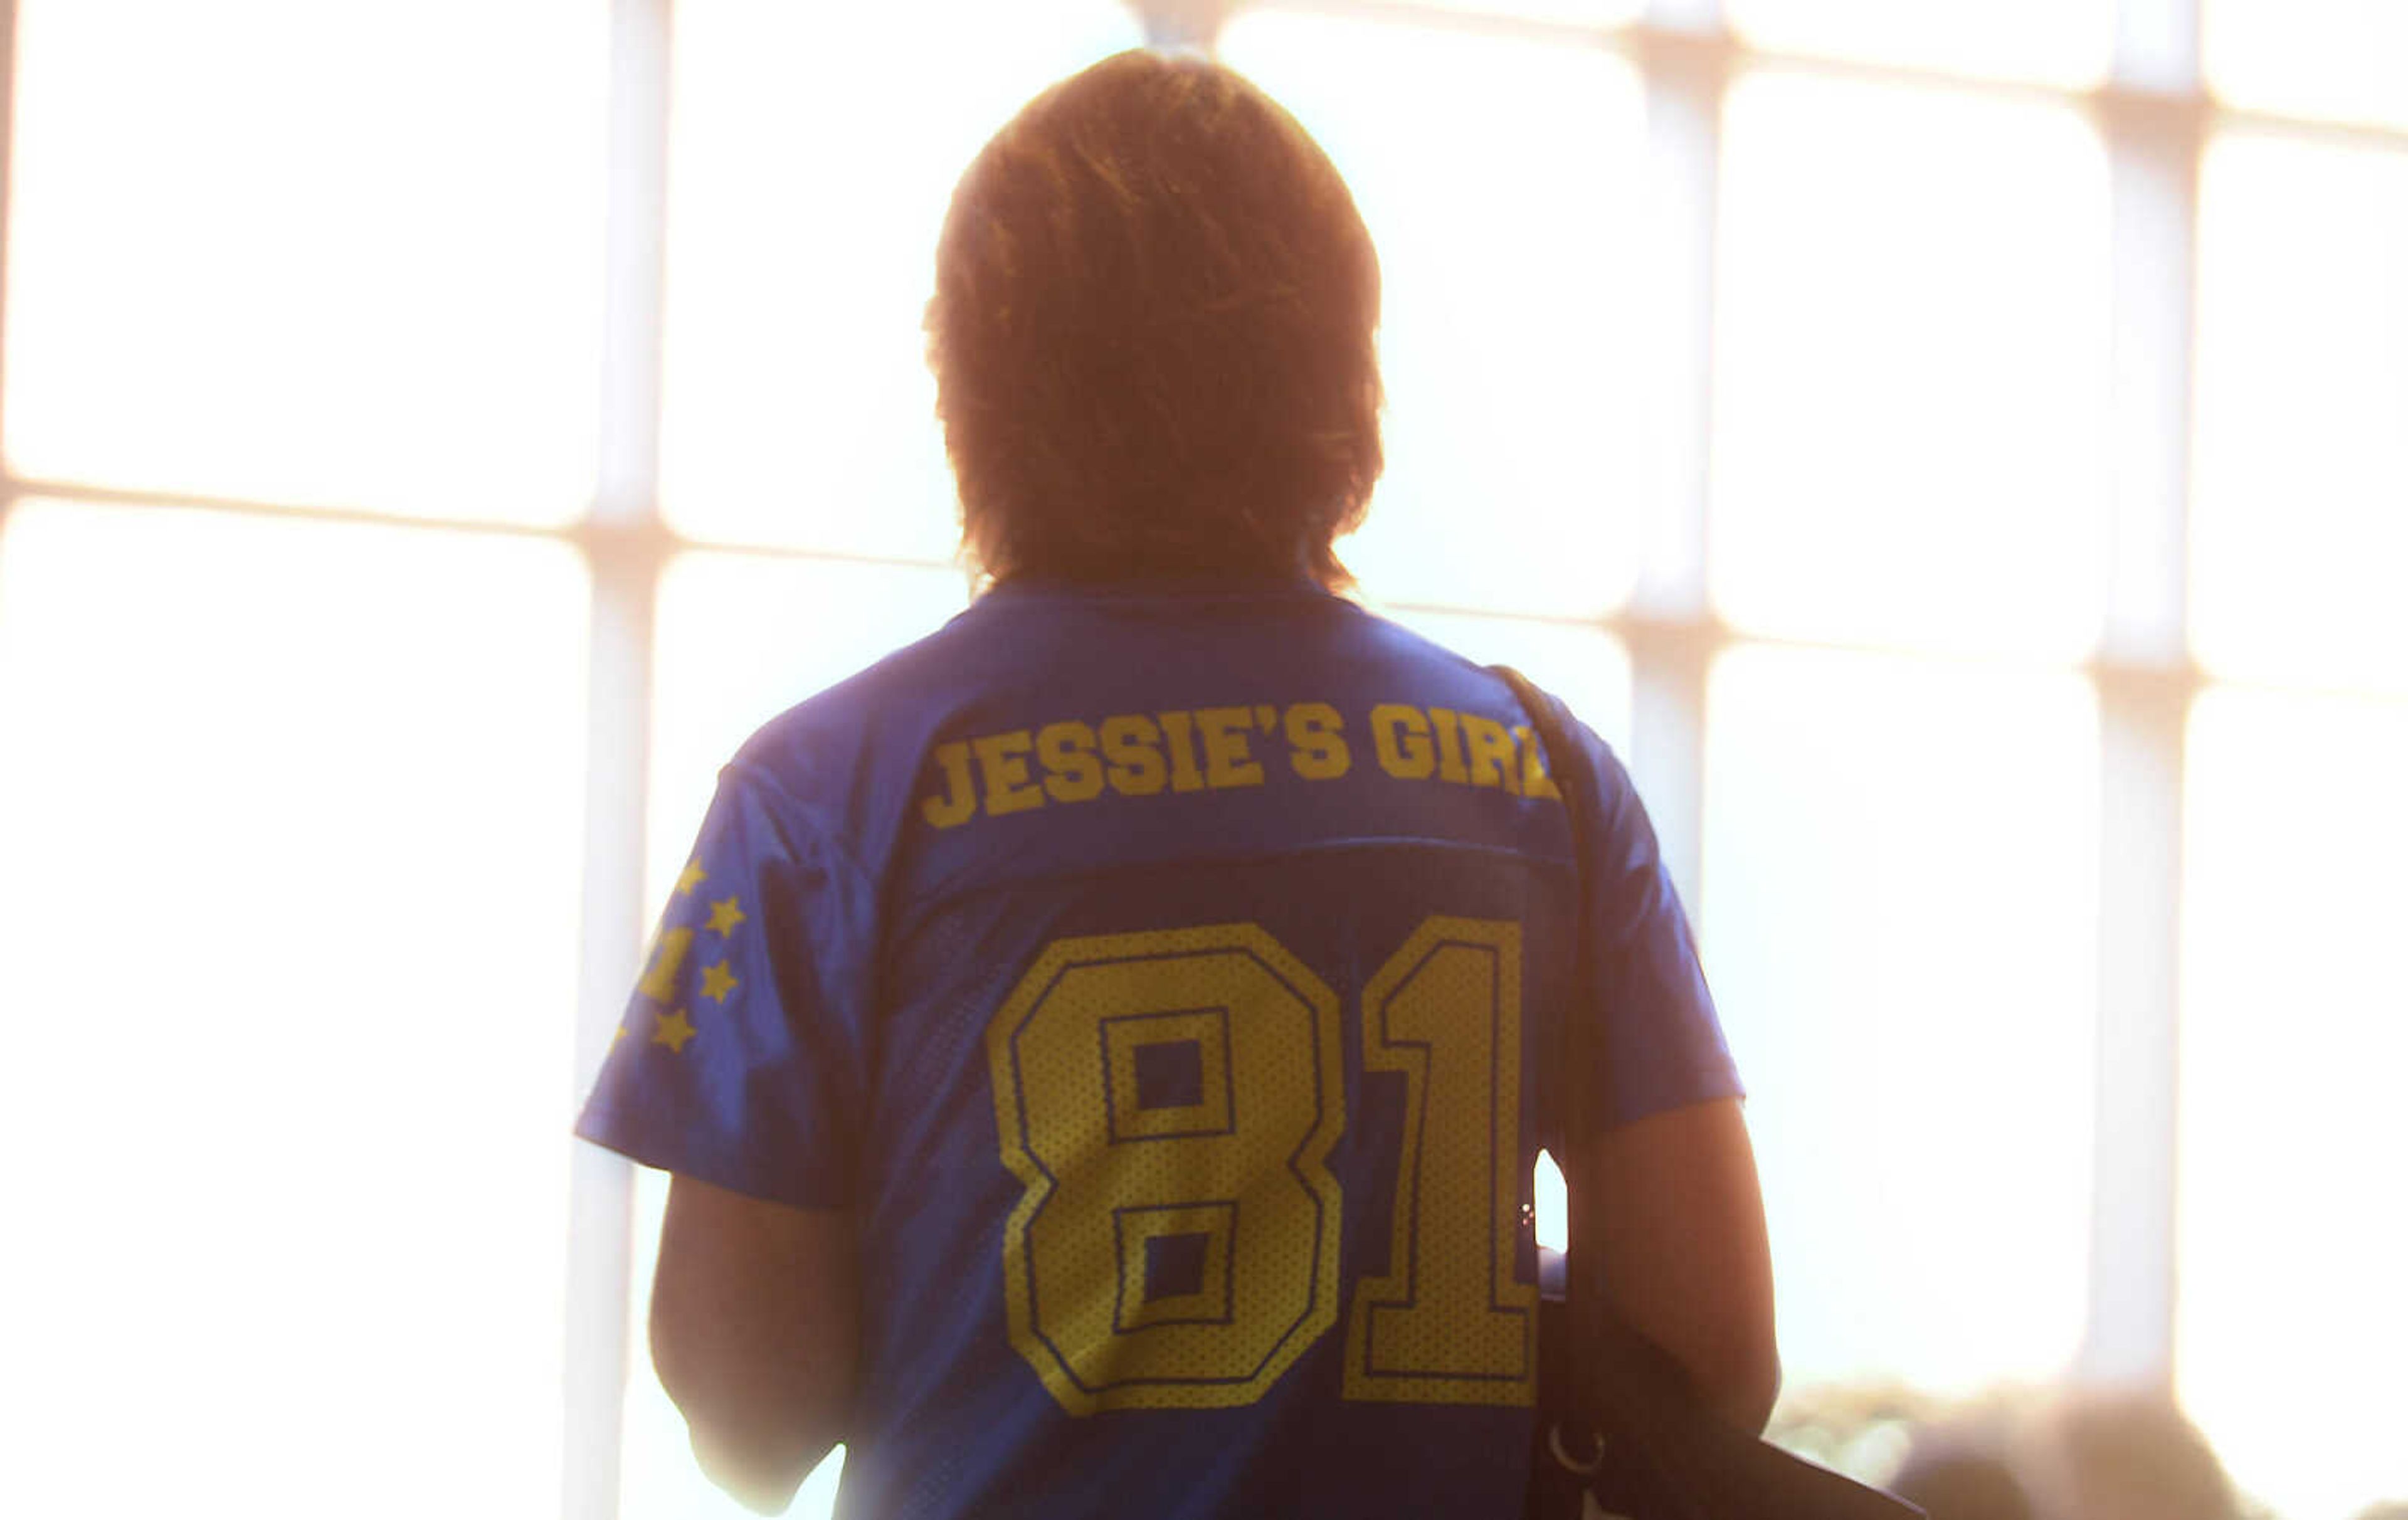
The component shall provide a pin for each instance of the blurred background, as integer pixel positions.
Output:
(1956, 450)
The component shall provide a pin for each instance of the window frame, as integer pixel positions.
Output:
(2157, 119)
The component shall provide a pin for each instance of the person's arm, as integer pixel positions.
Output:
(1681, 1234)
(755, 1334)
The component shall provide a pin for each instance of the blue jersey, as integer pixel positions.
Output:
(1169, 981)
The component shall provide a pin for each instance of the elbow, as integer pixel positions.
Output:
(754, 1336)
(757, 1429)
(1757, 1390)
(1742, 1384)
(759, 1469)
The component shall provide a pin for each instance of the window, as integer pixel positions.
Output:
(289, 905)
(370, 281)
(2061, 42)
(1912, 368)
(798, 409)
(1900, 911)
(1800, 387)
(1513, 231)
(2337, 60)
(2293, 1037)
(2299, 538)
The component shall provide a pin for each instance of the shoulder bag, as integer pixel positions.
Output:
(1621, 1433)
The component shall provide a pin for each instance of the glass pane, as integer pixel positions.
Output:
(813, 153)
(291, 818)
(1900, 924)
(2299, 486)
(1584, 664)
(2062, 42)
(1514, 339)
(345, 255)
(2292, 1327)
(2345, 60)
(1911, 363)
(1569, 12)
(742, 638)
(1550, 1210)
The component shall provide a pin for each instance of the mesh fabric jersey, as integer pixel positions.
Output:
(1166, 978)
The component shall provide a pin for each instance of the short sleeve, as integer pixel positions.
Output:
(739, 1059)
(1664, 1043)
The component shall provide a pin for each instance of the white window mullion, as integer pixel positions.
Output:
(8, 158)
(627, 548)
(1685, 79)
(1668, 743)
(634, 241)
(1181, 23)
(1695, 18)
(2156, 46)
(601, 1197)
(2154, 121)
(2129, 1339)
(1671, 634)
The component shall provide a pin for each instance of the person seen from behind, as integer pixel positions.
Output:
(1102, 1048)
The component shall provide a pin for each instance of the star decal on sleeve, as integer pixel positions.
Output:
(691, 878)
(673, 1030)
(725, 915)
(718, 981)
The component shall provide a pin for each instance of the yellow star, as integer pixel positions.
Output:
(673, 1030)
(725, 915)
(691, 878)
(718, 981)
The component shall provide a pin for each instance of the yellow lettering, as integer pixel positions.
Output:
(959, 798)
(1535, 781)
(1492, 753)
(1181, 729)
(1400, 737)
(1450, 746)
(1227, 762)
(1130, 744)
(1315, 750)
(1002, 762)
(1068, 751)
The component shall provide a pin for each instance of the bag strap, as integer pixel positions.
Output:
(1575, 778)
(1654, 1440)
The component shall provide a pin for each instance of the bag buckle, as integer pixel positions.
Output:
(1564, 1459)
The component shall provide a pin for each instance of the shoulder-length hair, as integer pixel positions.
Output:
(1153, 334)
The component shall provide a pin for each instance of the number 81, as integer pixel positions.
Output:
(1168, 1101)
